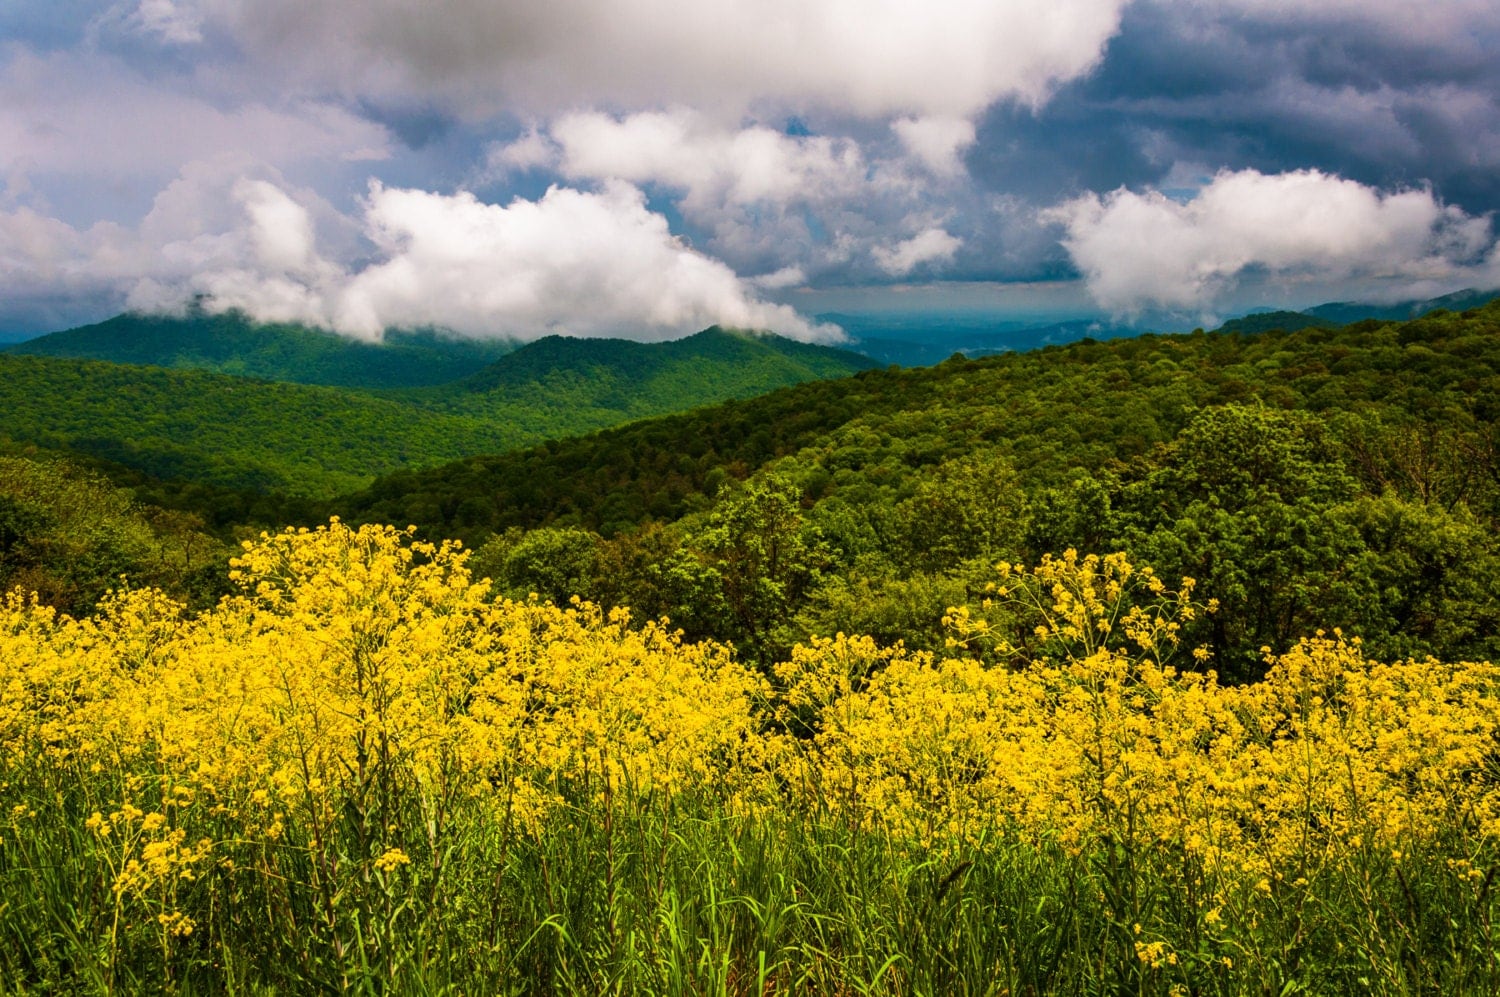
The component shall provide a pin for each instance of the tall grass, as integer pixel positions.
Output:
(678, 896)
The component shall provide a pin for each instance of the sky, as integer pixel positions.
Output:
(646, 168)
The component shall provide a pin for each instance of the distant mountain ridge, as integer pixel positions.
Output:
(927, 338)
(1344, 312)
(1337, 313)
(640, 363)
(233, 344)
(306, 439)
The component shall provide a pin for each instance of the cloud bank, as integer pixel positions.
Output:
(1140, 250)
(579, 263)
(573, 262)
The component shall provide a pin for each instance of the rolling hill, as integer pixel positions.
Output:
(1329, 477)
(232, 344)
(210, 427)
(1051, 411)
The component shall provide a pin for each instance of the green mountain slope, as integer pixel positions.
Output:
(1051, 411)
(321, 440)
(1337, 313)
(227, 430)
(1343, 312)
(1329, 477)
(591, 378)
(1282, 320)
(232, 344)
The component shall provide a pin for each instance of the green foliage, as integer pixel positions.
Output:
(1242, 501)
(554, 563)
(230, 343)
(1314, 479)
(232, 432)
(1432, 579)
(893, 609)
(765, 557)
(972, 507)
(69, 537)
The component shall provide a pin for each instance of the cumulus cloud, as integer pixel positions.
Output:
(572, 262)
(931, 245)
(924, 57)
(937, 142)
(1137, 250)
(714, 166)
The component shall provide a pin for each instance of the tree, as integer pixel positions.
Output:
(556, 563)
(972, 507)
(1247, 502)
(765, 556)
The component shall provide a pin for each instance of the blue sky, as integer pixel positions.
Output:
(650, 167)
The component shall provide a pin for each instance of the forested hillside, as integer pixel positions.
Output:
(1328, 477)
(229, 343)
(69, 535)
(197, 426)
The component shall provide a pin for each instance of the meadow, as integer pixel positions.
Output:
(363, 772)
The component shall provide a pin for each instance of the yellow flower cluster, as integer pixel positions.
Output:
(351, 655)
(354, 665)
(1081, 732)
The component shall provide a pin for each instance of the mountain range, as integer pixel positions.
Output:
(231, 343)
(224, 401)
(179, 410)
(918, 339)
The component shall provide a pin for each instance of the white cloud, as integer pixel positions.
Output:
(532, 150)
(1140, 250)
(714, 166)
(572, 262)
(937, 142)
(928, 246)
(872, 59)
(781, 279)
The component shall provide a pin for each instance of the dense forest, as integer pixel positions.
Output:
(173, 421)
(1332, 477)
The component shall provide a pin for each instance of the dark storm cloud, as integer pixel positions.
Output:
(1196, 86)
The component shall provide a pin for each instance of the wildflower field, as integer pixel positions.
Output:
(361, 773)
